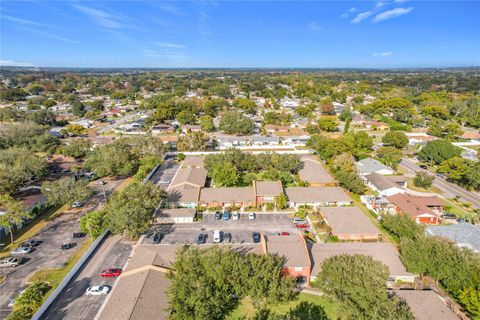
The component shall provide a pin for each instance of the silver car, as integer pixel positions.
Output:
(21, 251)
(10, 262)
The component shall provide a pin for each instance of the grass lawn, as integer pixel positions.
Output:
(125, 184)
(246, 308)
(456, 208)
(55, 276)
(30, 229)
(432, 189)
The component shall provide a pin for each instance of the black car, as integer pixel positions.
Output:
(449, 216)
(256, 237)
(157, 238)
(218, 215)
(227, 237)
(68, 245)
(79, 235)
(201, 238)
(30, 243)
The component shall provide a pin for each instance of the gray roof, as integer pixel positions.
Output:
(317, 194)
(349, 221)
(177, 213)
(292, 247)
(381, 182)
(463, 234)
(370, 165)
(313, 171)
(426, 305)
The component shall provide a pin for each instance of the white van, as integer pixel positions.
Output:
(217, 236)
(235, 215)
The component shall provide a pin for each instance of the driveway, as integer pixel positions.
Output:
(241, 230)
(164, 175)
(72, 303)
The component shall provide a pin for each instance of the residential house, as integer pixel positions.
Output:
(259, 140)
(184, 190)
(419, 138)
(193, 162)
(384, 185)
(84, 123)
(464, 235)
(317, 196)
(369, 165)
(191, 128)
(162, 129)
(294, 249)
(266, 191)
(374, 125)
(272, 128)
(230, 141)
(227, 197)
(350, 223)
(425, 210)
(384, 252)
(426, 305)
(290, 103)
(314, 173)
(296, 140)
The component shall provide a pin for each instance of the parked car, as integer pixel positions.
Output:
(68, 245)
(302, 225)
(217, 236)
(21, 251)
(218, 215)
(423, 166)
(101, 290)
(77, 204)
(111, 272)
(10, 262)
(227, 237)
(101, 182)
(226, 215)
(449, 216)
(11, 303)
(79, 235)
(283, 233)
(157, 237)
(298, 220)
(235, 215)
(31, 243)
(166, 181)
(201, 238)
(256, 237)
(251, 216)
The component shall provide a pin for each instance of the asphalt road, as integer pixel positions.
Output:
(241, 230)
(72, 302)
(165, 174)
(451, 190)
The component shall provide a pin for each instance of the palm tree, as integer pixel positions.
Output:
(13, 213)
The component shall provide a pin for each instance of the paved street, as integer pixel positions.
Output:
(73, 303)
(241, 230)
(451, 190)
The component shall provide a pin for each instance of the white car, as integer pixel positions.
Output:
(10, 262)
(217, 236)
(98, 290)
(235, 215)
(251, 216)
(21, 251)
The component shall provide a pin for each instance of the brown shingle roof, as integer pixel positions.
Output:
(381, 251)
(292, 247)
(227, 195)
(183, 193)
(268, 188)
(313, 171)
(192, 176)
(348, 221)
(381, 182)
(317, 194)
(193, 162)
(426, 305)
(413, 205)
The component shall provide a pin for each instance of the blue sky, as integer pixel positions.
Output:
(324, 34)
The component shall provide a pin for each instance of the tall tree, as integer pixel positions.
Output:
(13, 213)
(66, 190)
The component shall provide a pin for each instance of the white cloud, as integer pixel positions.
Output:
(169, 45)
(102, 18)
(167, 55)
(347, 13)
(362, 16)
(171, 9)
(400, 1)
(383, 54)
(379, 4)
(11, 63)
(314, 26)
(391, 14)
(23, 21)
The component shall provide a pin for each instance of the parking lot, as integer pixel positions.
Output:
(241, 230)
(73, 303)
(165, 174)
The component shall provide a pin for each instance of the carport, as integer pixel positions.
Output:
(179, 215)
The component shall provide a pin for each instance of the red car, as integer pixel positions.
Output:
(284, 233)
(111, 273)
(302, 225)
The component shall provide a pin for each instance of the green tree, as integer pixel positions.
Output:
(14, 213)
(245, 104)
(129, 211)
(455, 168)
(439, 150)
(147, 164)
(76, 148)
(78, 109)
(93, 223)
(225, 175)
(115, 159)
(74, 130)
(235, 123)
(344, 169)
(362, 145)
(193, 141)
(206, 123)
(281, 201)
(389, 156)
(186, 117)
(29, 301)
(395, 139)
(423, 179)
(328, 123)
(472, 177)
(359, 282)
(66, 190)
